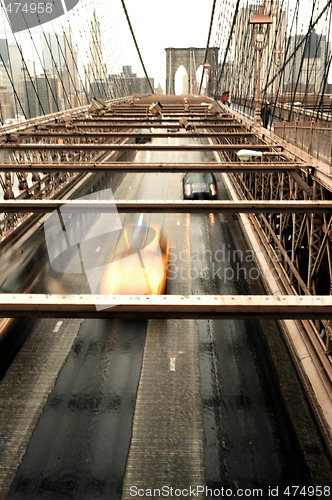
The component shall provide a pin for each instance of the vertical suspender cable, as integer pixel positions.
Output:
(138, 51)
(227, 48)
(207, 45)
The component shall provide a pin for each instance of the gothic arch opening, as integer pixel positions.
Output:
(198, 79)
(181, 80)
(191, 59)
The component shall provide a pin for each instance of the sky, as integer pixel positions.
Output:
(158, 24)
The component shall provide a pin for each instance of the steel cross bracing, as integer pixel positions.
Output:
(298, 243)
(170, 206)
(37, 184)
(165, 306)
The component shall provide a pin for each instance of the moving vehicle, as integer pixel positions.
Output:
(20, 272)
(199, 185)
(138, 262)
(143, 140)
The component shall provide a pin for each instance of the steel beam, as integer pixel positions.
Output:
(169, 206)
(232, 167)
(136, 147)
(144, 124)
(122, 119)
(166, 306)
(151, 135)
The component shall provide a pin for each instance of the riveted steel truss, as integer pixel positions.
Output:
(165, 306)
(38, 159)
(171, 206)
(299, 245)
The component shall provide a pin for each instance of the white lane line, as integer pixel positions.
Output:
(172, 364)
(57, 326)
(98, 249)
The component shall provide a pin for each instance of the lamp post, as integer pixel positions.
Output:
(278, 55)
(260, 37)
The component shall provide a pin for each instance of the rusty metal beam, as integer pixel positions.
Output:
(144, 124)
(170, 206)
(151, 135)
(124, 113)
(124, 119)
(138, 147)
(166, 306)
(244, 167)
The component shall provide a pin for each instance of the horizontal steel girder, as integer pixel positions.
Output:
(154, 167)
(138, 147)
(175, 206)
(153, 121)
(78, 133)
(166, 306)
(147, 124)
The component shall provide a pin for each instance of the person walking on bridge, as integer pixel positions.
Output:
(265, 113)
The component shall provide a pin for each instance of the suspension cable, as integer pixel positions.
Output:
(138, 51)
(207, 45)
(227, 47)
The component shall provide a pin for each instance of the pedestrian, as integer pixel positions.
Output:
(265, 114)
(224, 97)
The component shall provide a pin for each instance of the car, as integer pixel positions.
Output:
(143, 140)
(21, 271)
(173, 129)
(199, 185)
(138, 262)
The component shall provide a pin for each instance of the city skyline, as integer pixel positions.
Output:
(79, 60)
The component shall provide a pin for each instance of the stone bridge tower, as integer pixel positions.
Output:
(191, 58)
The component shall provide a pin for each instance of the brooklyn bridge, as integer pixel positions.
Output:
(165, 249)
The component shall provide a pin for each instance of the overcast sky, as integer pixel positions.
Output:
(159, 24)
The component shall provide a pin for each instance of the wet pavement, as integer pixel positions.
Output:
(169, 402)
(80, 445)
(249, 439)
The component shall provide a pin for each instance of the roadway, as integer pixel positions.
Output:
(91, 408)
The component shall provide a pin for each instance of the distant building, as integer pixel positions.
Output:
(40, 95)
(132, 84)
(95, 71)
(305, 72)
(53, 51)
(185, 85)
(159, 90)
(6, 105)
(142, 86)
(127, 71)
(15, 61)
(242, 75)
(4, 77)
(4, 53)
(11, 59)
(115, 85)
(48, 97)
(69, 91)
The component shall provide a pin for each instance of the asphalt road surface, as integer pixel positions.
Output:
(168, 402)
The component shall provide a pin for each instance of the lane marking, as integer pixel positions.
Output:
(57, 326)
(172, 364)
(98, 249)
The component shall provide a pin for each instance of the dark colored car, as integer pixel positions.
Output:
(199, 185)
(143, 140)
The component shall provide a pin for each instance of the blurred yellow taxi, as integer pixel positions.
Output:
(138, 262)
